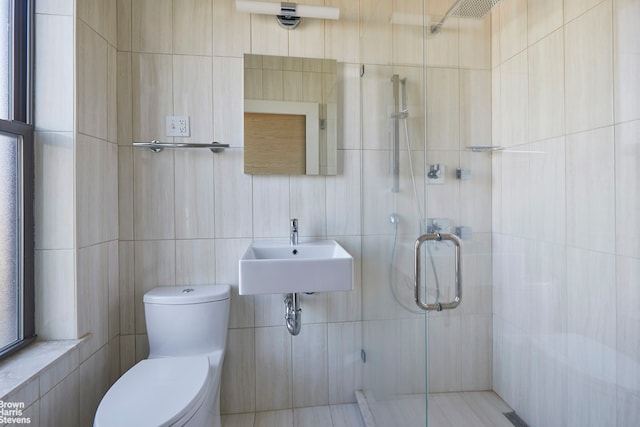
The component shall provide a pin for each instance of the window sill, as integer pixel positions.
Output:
(31, 361)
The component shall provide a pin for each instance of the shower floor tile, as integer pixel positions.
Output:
(465, 409)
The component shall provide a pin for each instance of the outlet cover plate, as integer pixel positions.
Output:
(177, 125)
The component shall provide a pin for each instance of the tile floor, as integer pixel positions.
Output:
(347, 415)
(467, 409)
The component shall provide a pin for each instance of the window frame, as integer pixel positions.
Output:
(21, 126)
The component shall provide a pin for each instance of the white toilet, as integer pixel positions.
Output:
(179, 384)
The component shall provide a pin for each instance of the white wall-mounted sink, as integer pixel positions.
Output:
(273, 267)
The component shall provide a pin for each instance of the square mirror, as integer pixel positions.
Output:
(290, 115)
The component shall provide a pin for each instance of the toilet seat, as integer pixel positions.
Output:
(156, 392)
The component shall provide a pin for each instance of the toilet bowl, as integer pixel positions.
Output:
(179, 384)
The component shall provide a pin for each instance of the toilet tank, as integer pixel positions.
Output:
(186, 320)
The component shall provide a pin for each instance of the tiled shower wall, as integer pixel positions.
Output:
(566, 210)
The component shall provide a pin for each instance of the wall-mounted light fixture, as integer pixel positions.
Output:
(288, 14)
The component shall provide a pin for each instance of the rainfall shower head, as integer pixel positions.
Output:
(476, 9)
(473, 8)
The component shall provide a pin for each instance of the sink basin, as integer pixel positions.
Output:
(274, 267)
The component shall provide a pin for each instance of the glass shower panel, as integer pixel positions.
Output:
(394, 330)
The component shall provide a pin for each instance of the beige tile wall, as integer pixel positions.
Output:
(54, 163)
(566, 213)
(96, 198)
(77, 270)
(127, 77)
(187, 217)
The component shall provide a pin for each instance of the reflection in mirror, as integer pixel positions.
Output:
(290, 115)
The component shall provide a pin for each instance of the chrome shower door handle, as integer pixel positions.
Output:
(418, 275)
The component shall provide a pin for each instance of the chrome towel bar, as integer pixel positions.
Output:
(157, 146)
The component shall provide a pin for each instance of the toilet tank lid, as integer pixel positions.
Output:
(176, 295)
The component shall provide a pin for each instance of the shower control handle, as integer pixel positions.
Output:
(418, 274)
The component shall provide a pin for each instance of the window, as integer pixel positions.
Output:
(16, 178)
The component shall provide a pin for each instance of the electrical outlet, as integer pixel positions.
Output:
(177, 125)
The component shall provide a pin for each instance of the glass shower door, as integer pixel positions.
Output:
(394, 328)
(425, 99)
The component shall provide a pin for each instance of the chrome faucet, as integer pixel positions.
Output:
(293, 232)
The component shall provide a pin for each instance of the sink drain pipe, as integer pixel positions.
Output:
(292, 313)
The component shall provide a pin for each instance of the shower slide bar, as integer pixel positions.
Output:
(157, 146)
(438, 306)
(396, 116)
(395, 149)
